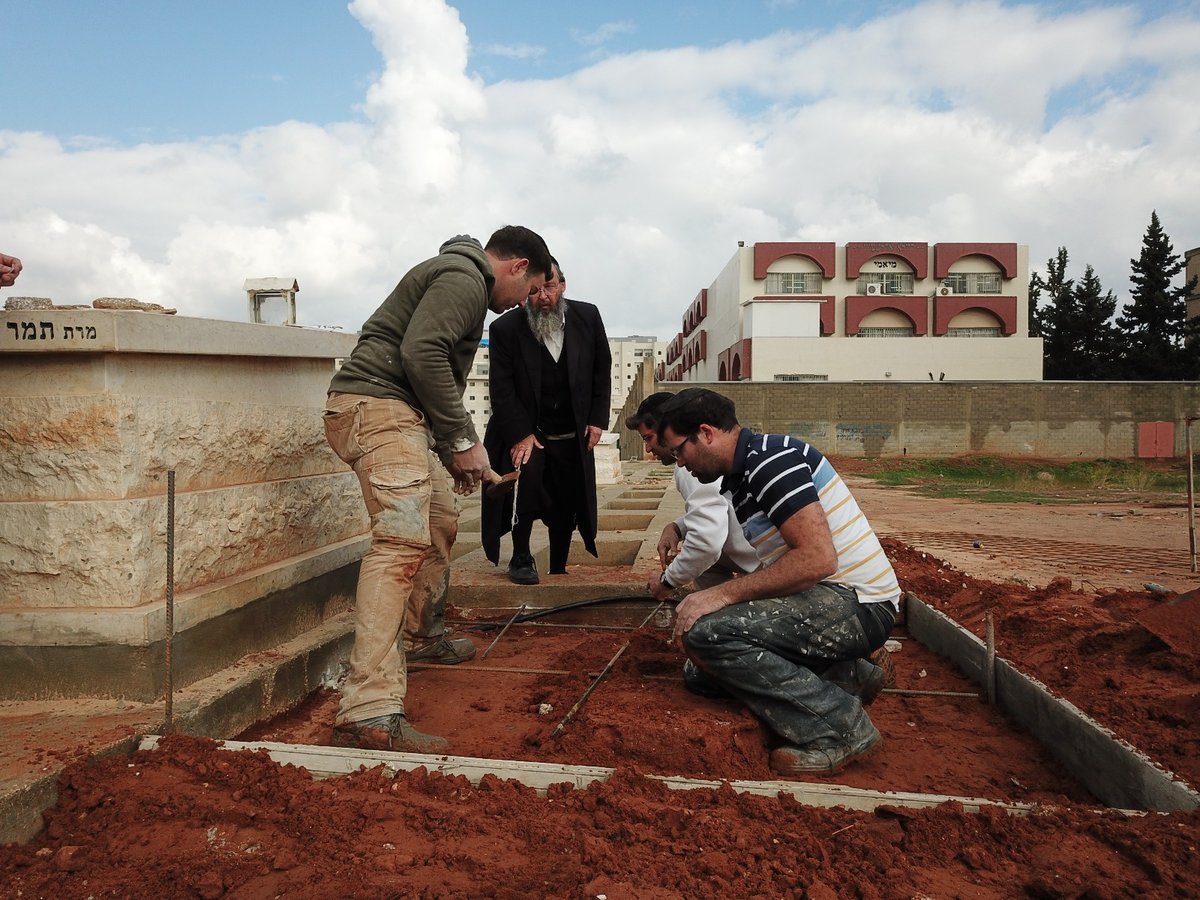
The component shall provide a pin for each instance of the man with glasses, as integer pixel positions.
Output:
(393, 405)
(705, 545)
(549, 381)
(792, 641)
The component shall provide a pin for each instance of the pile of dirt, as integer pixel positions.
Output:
(1126, 658)
(190, 820)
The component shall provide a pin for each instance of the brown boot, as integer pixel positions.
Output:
(387, 733)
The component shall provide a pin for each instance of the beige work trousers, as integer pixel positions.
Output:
(404, 577)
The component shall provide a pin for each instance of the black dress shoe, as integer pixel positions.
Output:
(522, 569)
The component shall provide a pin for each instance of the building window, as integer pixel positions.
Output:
(802, 377)
(793, 283)
(973, 282)
(974, 332)
(889, 282)
(887, 331)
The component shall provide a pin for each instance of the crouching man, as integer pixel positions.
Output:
(791, 641)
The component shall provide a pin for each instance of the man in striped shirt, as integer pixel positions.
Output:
(792, 641)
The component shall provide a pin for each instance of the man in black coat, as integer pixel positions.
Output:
(549, 382)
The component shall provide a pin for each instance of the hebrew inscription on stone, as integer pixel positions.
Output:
(44, 331)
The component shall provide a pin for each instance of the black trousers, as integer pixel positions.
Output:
(557, 500)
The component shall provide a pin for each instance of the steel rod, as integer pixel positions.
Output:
(168, 662)
(990, 669)
(520, 610)
(1191, 493)
(515, 670)
(558, 729)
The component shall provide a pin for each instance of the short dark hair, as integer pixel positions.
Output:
(518, 242)
(648, 410)
(692, 407)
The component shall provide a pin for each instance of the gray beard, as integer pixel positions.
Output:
(547, 324)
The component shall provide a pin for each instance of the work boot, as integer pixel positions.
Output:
(883, 659)
(860, 678)
(448, 651)
(824, 756)
(522, 569)
(392, 732)
(702, 684)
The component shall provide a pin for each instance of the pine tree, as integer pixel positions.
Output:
(1097, 351)
(1154, 323)
(1054, 318)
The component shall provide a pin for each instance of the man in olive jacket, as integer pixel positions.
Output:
(549, 381)
(393, 405)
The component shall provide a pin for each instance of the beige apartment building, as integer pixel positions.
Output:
(627, 354)
(862, 311)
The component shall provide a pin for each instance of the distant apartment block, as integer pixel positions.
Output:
(863, 311)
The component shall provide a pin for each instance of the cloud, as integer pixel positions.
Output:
(513, 51)
(939, 121)
(600, 36)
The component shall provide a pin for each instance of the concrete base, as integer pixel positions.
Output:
(329, 762)
(137, 671)
(1113, 770)
(258, 687)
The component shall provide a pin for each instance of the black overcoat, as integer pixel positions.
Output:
(515, 386)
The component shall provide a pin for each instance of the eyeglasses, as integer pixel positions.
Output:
(678, 448)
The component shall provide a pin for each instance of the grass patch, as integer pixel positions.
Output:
(1014, 480)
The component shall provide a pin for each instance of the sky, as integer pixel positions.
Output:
(167, 150)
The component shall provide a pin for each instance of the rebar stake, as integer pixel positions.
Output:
(558, 729)
(170, 637)
(520, 610)
(989, 675)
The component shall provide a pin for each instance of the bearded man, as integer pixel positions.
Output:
(549, 383)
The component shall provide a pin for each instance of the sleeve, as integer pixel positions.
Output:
(601, 377)
(510, 419)
(452, 307)
(704, 526)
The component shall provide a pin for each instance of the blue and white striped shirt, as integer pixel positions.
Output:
(775, 476)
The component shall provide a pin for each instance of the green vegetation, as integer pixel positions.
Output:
(1010, 480)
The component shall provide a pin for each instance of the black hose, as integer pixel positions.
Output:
(565, 607)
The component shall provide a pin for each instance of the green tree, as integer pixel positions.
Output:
(1095, 354)
(1051, 319)
(1154, 324)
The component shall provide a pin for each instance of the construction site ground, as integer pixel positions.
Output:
(1065, 585)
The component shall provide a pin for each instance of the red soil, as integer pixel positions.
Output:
(189, 820)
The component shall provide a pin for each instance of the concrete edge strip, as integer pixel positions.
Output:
(329, 762)
(1112, 769)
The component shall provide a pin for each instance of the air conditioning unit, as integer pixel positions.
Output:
(945, 290)
(874, 290)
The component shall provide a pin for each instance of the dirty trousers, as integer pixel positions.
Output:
(403, 579)
(769, 654)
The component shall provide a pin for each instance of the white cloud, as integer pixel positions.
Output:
(513, 51)
(598, 37)
(644, 170)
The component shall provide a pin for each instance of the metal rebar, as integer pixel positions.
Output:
(1191, 493)
(558, 729)
(910, 691)
(989, 674)
(512, 670)
(169, 674)
(520, 610)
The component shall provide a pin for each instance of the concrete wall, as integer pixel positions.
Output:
(1063, 420)
(96, 406)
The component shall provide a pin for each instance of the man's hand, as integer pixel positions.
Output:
(668, 544)
(522, 450)
(692, 607)
(593, 436)
(10, 268)
(657, 589)
(467, 467)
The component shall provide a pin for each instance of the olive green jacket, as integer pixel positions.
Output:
(420, 344)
